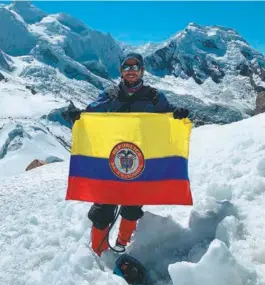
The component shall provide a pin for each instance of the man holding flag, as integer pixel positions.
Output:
(131, 95)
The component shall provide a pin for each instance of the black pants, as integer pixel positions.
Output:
(103, 214)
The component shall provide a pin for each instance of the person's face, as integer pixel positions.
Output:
(131, 76)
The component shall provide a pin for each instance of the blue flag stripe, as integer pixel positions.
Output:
(156, 169)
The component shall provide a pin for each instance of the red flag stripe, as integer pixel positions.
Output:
(166, 192)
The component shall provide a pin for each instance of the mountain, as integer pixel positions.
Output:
(208, 55)
(203, 52)
(59, 41)
(15, 37)
(209, 68)
(29, 13)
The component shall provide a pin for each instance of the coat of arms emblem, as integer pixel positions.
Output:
(126, 160)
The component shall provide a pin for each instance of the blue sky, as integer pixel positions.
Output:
(141, 22)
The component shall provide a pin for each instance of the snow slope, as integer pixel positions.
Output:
(218, 241)
(30, 123)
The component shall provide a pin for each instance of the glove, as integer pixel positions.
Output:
(180, 113)
(113, 91)
(72, 113)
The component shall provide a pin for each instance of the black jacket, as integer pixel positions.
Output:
(116, 99)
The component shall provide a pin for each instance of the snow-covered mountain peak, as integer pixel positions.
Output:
(196, 27)
(202, 52)
(72, 23)
(30, 13)
(210, 38)
(15, 38)
(78, 43)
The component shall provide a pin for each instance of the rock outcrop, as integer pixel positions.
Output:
(260, 103)
(35, 163)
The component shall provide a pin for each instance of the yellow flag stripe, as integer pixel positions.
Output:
(157, 135)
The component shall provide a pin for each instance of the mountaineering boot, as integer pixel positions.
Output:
(125, 232)
(131, 270)
(99, 240)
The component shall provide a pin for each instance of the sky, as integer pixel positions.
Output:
(141, 22)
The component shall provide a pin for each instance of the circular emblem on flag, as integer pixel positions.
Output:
(126, 160)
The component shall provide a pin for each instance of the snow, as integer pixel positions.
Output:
(15, 38)
(216, 57)
(220, 240)
(72, 38)
(258, 81)
(40, 29)
(29, 13)
(144, 50)
(19, 102)
(53, 89)
(6, 62)
(218, 261)
(36, 241)
(229, 92)
(22, 142)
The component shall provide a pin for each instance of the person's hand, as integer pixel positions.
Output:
(180, 113)
(72, 113)
(112, 91)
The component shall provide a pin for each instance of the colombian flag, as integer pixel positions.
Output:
(130, 159)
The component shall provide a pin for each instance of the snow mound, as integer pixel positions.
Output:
(217, 267)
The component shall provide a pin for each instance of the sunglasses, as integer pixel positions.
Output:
(127, 67)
